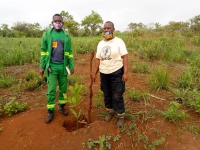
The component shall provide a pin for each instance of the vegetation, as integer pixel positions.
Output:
(12, 107)
(167, 56)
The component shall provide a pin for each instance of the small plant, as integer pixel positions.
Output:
(185, 80)
(75, 98)
(116, 138)
(32, 80)
(98, 99)
(160, 79)
(74, 101)
(12, 107)
(181, 95)
(137, 95)
(196, 102)
(102, 142)
(1, 110)
(82, 61)
(140, 67)
(74, 79)
(17, 88)
(154, 144)
(174, 114)
(5, 80)
(193, 129)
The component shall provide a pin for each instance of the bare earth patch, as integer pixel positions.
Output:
(28, 131)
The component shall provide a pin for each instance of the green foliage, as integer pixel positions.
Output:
(196, 40)
(75, 78)
(75, 98)
(154, 144)
(32, 80)
(185, 80)
(85, 45)
(135, 95)
(194, 129)
(1, 109)
(12, 107)
(92, 24)
(102, 142)
(196, 102)
(69, 24)
(17, 88)
(98, 99)
(116, 138)
(159, 79)
(5, 80)
(19, 51)
(174, 114)
(140, 67)
(181, 95)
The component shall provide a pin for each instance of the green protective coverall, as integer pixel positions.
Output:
(58, 71)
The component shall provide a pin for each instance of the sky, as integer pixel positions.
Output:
(120, 12)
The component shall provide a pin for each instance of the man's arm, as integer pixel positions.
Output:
(125, 65)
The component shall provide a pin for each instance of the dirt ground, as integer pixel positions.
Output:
(28, 131)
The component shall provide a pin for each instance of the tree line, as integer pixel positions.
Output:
(91, 25)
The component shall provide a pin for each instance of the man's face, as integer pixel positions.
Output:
(57, 19)
(108, 27)
(57, 22)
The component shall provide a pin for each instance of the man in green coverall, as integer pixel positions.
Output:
(56, 55)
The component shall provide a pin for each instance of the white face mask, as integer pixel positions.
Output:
(57, 26)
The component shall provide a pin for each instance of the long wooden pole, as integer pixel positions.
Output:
(91, 92)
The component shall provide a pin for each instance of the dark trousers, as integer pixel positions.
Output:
(113, 88)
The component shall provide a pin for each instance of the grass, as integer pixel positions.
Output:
(159, 79)
(174, 114)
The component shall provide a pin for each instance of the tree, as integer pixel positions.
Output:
(195, 24)
(92, 24)
(69, 24)
(136, 29)
(21, 27)
(177, 26)
(134, 26)
(26, 29)
(4, 30)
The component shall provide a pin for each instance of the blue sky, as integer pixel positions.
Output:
(121, 12)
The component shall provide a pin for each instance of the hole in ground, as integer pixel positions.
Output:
(75, 124)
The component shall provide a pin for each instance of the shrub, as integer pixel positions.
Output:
(12, 107)
(160, 79)
(5, 80)
(32, 80)
(174, 114)
(140, 67)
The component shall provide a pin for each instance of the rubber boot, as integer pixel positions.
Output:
(49, 116)
(120, 121)
(109, 116)
(62, 110)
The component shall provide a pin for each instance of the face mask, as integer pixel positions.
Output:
(57, 26)
(107, 35)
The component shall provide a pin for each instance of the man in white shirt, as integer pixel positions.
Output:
(112, 63)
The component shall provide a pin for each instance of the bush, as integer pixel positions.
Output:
(12, 107)
(32, 80)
